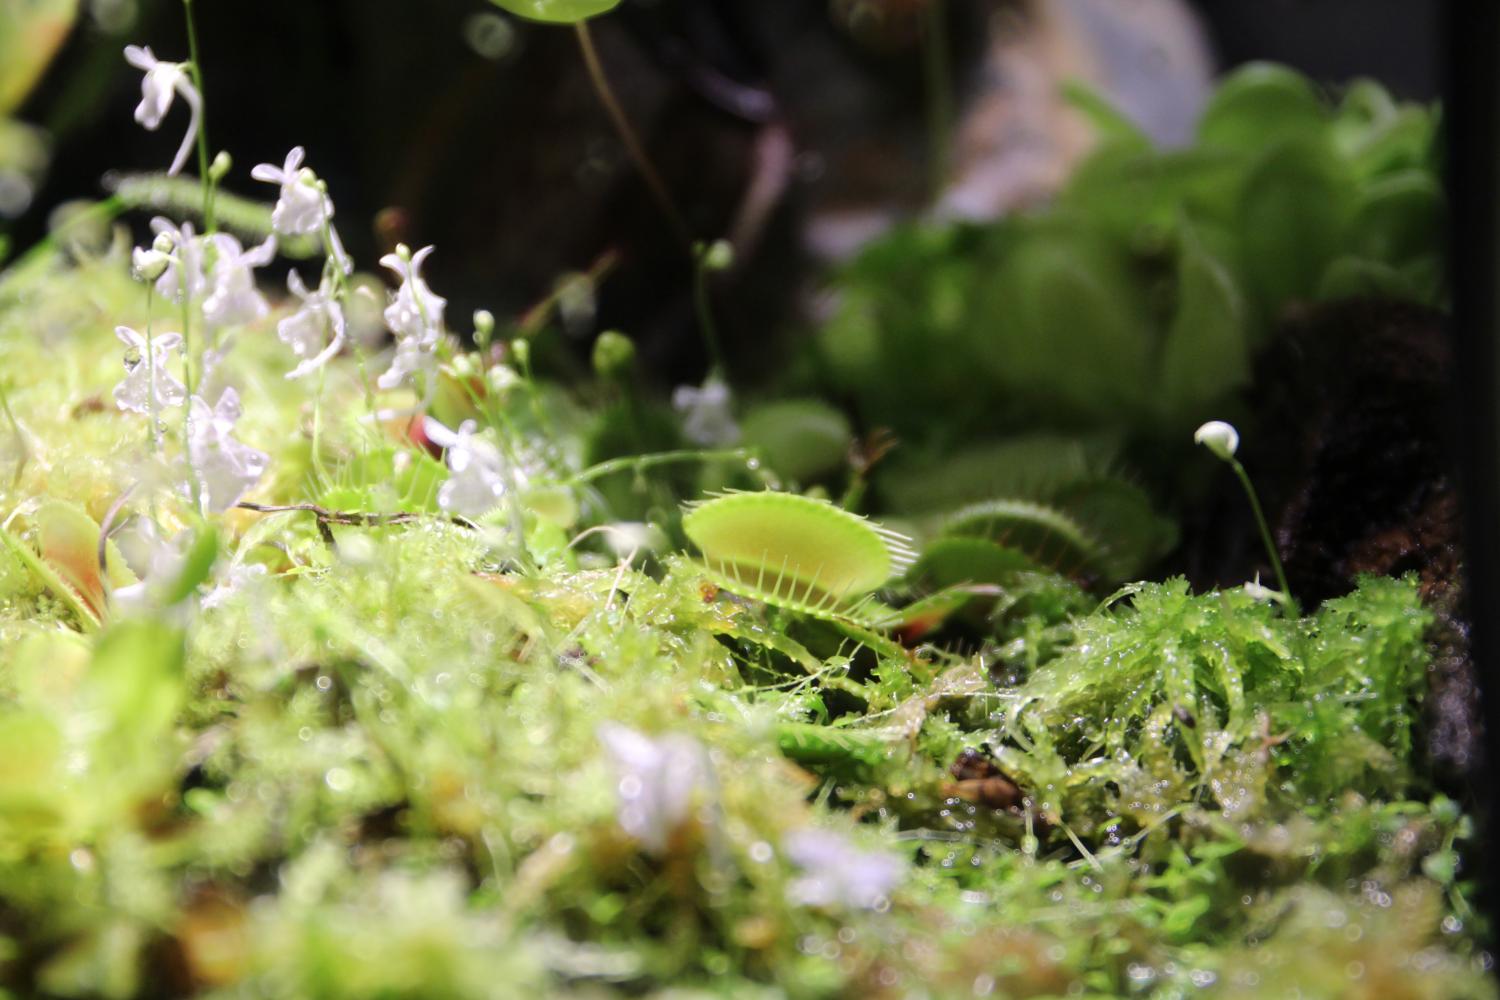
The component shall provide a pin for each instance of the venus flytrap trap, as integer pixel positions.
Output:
(795, 552)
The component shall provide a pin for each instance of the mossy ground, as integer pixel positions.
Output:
(374, 769)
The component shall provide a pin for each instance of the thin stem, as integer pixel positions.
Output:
(196, 68)
(638, 463)
(1265, 532)
(706, 317)
(151, 376)
(627, 134)
(187, 381)
(938, 71)
(15, 426)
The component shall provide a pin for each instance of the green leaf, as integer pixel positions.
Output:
(557, 11)
(1067, 325)
(1399, 218)
(1109, 123)
(1259, 105)
(196, 565)
(134, 688)
(800, 438)
(1294, 212)
(1206, 353)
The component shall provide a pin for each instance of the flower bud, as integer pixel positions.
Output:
(717, 256)
(1218, 437)
(484, 324)
(149, 264)
(614, 355)
(218, 169)
(520, 349)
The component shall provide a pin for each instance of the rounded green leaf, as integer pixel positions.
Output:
(557, 11)
(794, 551)
(1258, 105)
(799, 438)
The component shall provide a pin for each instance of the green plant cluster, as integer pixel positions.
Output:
(361, 749)
(1139, 298)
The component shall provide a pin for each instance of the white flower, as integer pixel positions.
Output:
(660, 782)
(147, 378)
(225, 467)
(185, 250)
(232, 296)
(162, 80)
(303, 206)
(231, 581)
(836, 873)
(476, 478)
(1218, 437)
(706, 417)
(415, 316)
(415, 312)
(156, 560)
(307, 330)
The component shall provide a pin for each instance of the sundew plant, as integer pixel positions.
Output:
(347, 651)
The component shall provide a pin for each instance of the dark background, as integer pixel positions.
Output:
(508, 165)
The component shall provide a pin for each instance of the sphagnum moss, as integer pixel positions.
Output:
(361, 738)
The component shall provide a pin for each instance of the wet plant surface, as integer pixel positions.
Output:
(350, 651)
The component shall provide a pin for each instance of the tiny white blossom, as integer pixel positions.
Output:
(155, 559)
(476, 477)
(307, 331)
(660, 782)
(1218, 437)
(706, 416)
(416, 311)
(147, 378)
(302, 206)
(232, 297)
(226, 468)
(231, 581)
(415, 316)
(627, 538)
(836, 873)
(161, 82)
